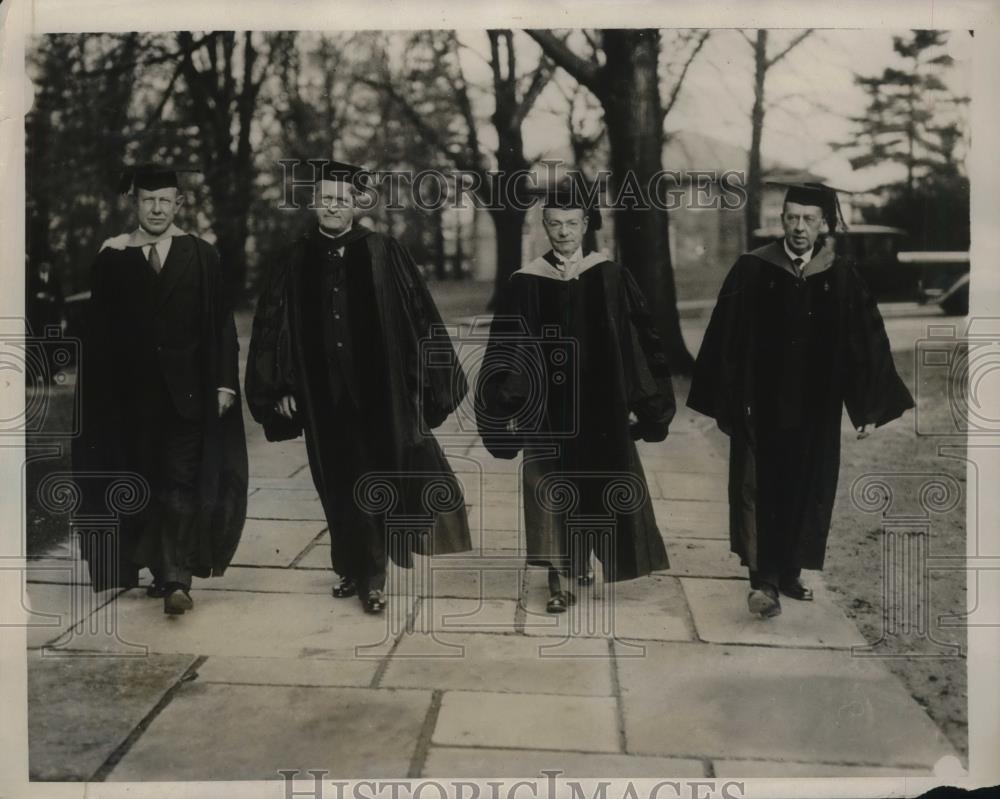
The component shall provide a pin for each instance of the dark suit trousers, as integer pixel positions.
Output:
(357, 538)
(171, 451)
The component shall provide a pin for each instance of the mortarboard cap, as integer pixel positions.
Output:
(823, 197)
(150, 177)
(339, 171)
(571, 196)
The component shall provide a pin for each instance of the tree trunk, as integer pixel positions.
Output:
(440, 262)
(754, 176)
(509, 226)
(634, 117)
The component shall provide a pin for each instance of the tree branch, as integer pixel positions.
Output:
(429, 133)
(672, 98)
(539, 80)
(589, 73)
(791, 45)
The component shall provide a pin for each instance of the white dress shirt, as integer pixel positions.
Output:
(162, 248)
(806, 257)
(340, 249)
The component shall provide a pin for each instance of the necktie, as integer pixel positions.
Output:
(154, 259)
(798, 264)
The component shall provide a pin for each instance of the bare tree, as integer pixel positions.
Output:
(622, 72)
(224, 76)
(762, 64)
(442, 113)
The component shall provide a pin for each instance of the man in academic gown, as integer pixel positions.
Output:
(158, 398)
(570, 357)
(793, 338)
(335, 354)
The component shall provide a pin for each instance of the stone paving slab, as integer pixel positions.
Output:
(691, 519)
(741, 702)
(57, 570)
(237, 732)
(527, 721)
(728, 769)
(50, 610)
(445, 614)
(268, 503)
(287, 493)
(689, 485)
(318, 557)
(269, 463)
(719, 608)
(503, 514)
(478, 459)
(302, 481)
(485, 533)
(345, 671)
(483, 662)
(703, 557)
(268, 580)
(274, 543)
(80, 709)
(247, 624)
(692, 459)
(470, 576)
(453, 761)
(650, 608)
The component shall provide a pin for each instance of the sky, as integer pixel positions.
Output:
(812, 90)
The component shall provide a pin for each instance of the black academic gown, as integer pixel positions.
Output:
(567, 361)
(157, 342)
(375, 410)
(782, 355)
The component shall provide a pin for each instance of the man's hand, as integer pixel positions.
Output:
(226, 400)
(286, 406)
(864, 431)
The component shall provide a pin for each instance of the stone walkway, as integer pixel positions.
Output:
(666, 676)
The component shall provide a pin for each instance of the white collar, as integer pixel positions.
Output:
(141, 238)
(576, 257)
(336, 235)
(806, 256)
(541, 267)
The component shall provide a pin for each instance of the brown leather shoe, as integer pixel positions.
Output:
(764, 601)
(177, 602)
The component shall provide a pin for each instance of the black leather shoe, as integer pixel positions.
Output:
(177, 601)
(157, 591)
(764, 601)
(374, 602)
(347, 587)
(586, 579)
(559, 602)
(794, 588)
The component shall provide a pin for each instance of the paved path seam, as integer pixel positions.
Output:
(123, 748)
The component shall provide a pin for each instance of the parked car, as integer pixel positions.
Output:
(873, 249)
(894, 273)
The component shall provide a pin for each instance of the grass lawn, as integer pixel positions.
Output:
(855, 562)
(47, 455)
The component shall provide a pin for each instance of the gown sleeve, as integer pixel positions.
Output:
(650, 389)
(874, 392)
(434, 364)
(270, 372)
(501, 390)
(716, 389)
